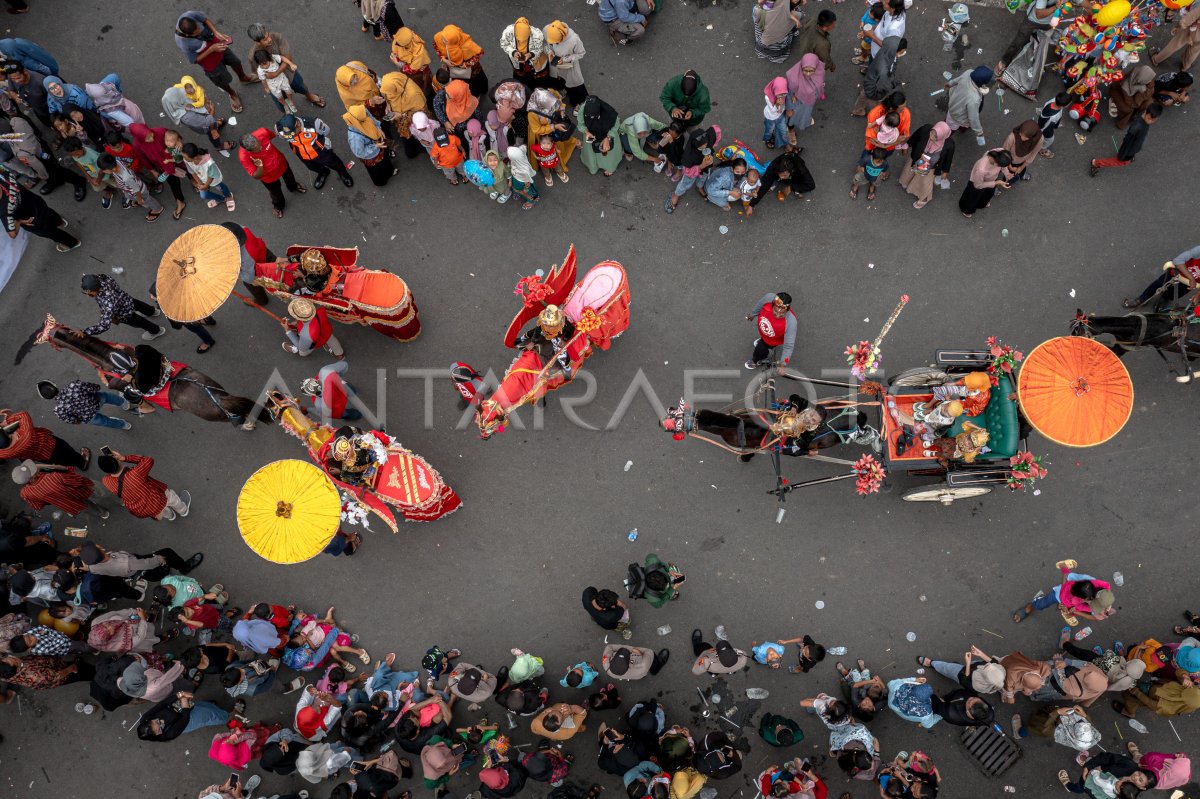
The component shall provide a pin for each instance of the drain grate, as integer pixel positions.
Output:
(993, 752)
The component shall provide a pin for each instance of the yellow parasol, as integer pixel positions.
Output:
(288, 511)
(197, 272)
(1075, 391)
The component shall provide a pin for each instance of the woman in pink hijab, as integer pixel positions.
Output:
(1170, 771)
(775, 113)
(806, 88)
(930, 153)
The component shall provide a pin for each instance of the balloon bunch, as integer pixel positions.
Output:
(1099, 43)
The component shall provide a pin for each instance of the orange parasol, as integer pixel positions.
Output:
(1075, 391)
(197, 272)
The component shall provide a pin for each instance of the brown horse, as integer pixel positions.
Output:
(189, 389)
(1162, 332)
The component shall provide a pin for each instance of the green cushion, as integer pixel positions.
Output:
(999, 419)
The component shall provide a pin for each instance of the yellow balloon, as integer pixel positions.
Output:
(1112, 13)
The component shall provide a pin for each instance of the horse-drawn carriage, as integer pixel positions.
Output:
(387, 476)
(349, 293)
(573, 320)
(1071, 390)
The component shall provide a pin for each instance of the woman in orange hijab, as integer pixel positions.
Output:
(461, 57)
(525, 47)
(410, 54)
(356, 83)
(455, 106)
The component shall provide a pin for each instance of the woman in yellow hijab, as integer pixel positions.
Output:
(410, 54)
(461, 58)
(525, 47)
(356, 83)
(404, 98)
(368, 141)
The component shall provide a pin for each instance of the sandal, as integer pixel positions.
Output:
(870, 194)
(1046, 154)
(318, 101)
(86, 454)
(203, 348)
(1120, 708)
(1021, 613)
(841, 669)
(670, 209)
(1067, 564)
(235, 106)
(1132, 748)
(1064, 778)
(549, 180)
(178, 212)
(853, 193)
(1178, 629)
(563, 177)
(780, 196)
(277, 212)
(1017, 726)
(230, 205)
(526, 206)
(924, 662)
(364, 657)
(212, 204)
(862, 664)
(1191, 617)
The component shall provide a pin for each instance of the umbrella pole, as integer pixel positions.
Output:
(254, 304)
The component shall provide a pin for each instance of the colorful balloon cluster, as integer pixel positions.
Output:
(1099, 43)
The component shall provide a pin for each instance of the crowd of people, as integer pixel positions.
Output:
(438, 102)
(139, 630)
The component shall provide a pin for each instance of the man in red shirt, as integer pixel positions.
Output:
(128, 478)
(254, 251)
(776, 324)
(330, 393)
(311, 329)
(21, 440)
(263, 161)
(61, 486)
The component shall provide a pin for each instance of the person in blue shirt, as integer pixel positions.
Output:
(29, 55)
(626, 19)
(581, 675)
(870, 167)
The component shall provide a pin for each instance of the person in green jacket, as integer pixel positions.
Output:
(660, 580)
(779, 730)
(685, 97)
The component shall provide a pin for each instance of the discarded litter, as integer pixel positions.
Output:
(118, 270)
(939, 91)
(723, 229)
(757, 693)
(947, 75)
(1071, 292)
(1009, 789)
(1118, 579)
(1004, 232)
(911, 636)
(870, 266)
(820, 604)
(633, 534)
(1084, 633)
(921, 597)
(836, 650)
(1079, 137)
(1137, 725)
(628, 465)
(664, 630)
(708, 27)
(1037, 492)
(779, 515)
(232, 121)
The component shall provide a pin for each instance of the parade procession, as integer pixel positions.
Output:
(598, 395)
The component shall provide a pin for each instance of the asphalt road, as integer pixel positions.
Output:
(547, 511)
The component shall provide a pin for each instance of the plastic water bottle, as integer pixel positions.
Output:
(628, 465)
(1118, 579)
(911, 636)
(1137, 725)
(1084, 633)
(633, 534)
(757, 693)
(664, 630)
(836, 650)
(512, 720)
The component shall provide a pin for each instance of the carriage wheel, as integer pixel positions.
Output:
(944, 494)
(919, 377)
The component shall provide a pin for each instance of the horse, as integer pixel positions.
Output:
(188, 389)
(1162, 332)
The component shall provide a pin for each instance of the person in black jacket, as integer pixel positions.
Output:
(786, 173)
(716, 756)
(607, 610)
(930, 154)
(618, 752)
(1130, 779)
(1131, 145)
(177, 715)
(502, 781)
(963, 708)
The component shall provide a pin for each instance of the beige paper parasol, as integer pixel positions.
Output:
(197, 272)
